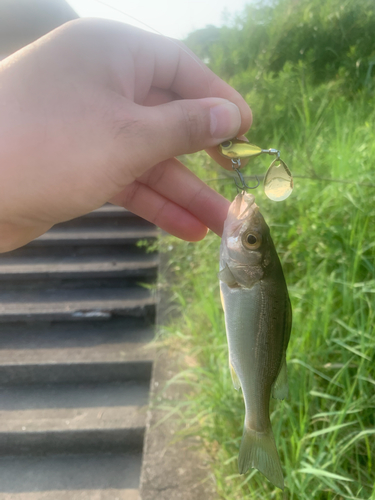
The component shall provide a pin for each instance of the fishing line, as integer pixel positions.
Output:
(132, 17)
(202, 67)
(178, 44)
(315, 178)
(278, 181)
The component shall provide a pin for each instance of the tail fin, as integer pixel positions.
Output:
(258, 449)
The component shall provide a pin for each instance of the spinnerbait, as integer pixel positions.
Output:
(278, 181)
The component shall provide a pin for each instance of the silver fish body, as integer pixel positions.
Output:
(258, 321)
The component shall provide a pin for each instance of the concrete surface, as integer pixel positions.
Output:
(172, 468)
(75, 365)
(98, 477)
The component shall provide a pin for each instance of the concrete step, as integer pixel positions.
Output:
(115, 340)
(71, 477)
(37, 373)
(79, 304)
(117, 264)
(93, 220)
(110, 213)
(75, 361)
(72, 418)
(67, 284)
(109, 210)
(95, 235)
(114, 350)
(66, 249)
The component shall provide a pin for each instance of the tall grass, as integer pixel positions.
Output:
(325, 236)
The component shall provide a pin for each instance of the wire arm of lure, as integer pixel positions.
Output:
(272, 152)
(278, 181)
(236, 164)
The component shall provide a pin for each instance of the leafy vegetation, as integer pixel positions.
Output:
(319, 110)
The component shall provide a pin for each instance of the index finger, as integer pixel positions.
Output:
(179, 70)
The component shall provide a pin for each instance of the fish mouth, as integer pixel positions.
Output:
(243, 207)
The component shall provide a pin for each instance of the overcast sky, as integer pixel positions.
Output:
(174, 18)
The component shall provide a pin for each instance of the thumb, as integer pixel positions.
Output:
(180, 127)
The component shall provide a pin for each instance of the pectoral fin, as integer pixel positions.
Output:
(235, 379)
(226, 276)
(280, 387)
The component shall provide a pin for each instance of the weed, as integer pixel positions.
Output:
(325, 235)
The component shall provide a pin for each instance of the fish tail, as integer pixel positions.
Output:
(258, 449)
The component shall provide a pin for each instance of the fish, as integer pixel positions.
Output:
(258, 320)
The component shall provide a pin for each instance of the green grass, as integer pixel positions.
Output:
(325, 236)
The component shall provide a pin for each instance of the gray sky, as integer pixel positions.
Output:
(174, 18)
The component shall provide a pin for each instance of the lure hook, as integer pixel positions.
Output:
(236, 164)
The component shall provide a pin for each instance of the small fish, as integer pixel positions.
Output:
(258, 319)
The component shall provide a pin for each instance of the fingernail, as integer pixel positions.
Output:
(225, 121)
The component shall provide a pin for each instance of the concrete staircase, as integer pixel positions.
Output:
(75, 364)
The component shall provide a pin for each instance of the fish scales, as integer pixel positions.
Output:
(247, 341)
(258, 323)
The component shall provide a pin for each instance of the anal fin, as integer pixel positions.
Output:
(280, 387)
(235, 379)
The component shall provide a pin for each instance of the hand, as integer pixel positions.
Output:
(95, 111)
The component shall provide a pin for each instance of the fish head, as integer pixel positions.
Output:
(246, 241)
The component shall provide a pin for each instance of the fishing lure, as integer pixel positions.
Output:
(278, 181)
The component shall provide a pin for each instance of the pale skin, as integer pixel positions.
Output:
(96, 112)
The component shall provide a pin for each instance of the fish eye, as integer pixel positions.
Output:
(226, 144)
(251, 240)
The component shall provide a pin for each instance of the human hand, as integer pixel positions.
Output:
(96, 111)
